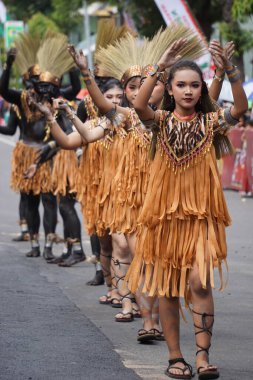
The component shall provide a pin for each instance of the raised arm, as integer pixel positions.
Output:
(12, 125)
(221, 57)
(103, 104)
(167, 60)
(11, 96)
(240, 99)
(89, 135)
(71, 91)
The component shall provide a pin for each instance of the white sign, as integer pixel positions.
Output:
(177, 11)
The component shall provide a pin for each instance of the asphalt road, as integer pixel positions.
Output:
(52, 327)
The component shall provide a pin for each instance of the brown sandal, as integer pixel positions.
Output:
(187, 367)
(126, 317)
(146, 335)
(210, 371)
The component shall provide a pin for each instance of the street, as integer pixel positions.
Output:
(52, 326)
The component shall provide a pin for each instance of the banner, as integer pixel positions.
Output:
(177, 11)
(11, 29)
(249, 158)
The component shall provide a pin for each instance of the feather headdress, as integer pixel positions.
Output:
(108, 33)
(120, 60)
(53, 58)
(27, 46)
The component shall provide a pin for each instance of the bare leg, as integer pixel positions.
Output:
(203, 318)
(122, 260)
(169, 315)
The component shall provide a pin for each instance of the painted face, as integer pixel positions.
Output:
(186, 88)
(132, 89)
(115, 95)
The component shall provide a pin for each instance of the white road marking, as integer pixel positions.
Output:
(7, 141)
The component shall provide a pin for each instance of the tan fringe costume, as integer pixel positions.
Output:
(184, 214)
(89, 173)
(96, 157)
(130, 182)
(126, 59)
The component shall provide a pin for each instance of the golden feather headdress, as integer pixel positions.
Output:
(108, 33)
(122, 59)
(27, 46)
(53, 58)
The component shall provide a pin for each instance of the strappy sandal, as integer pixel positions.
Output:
(125, 317)
(158, 335)
(146, 335)
(107, 299)
(187, 367)
(209, 371)
(116, 303)
(136, 311)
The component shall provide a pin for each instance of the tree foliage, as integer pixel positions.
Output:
(24, 9)
(39, 23)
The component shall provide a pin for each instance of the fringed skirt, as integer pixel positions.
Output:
(22, 157)
(65, 172)
(130, 183)
(88, 179)
(104, 206)
(183, 221)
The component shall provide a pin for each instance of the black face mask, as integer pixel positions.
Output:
(47, 89)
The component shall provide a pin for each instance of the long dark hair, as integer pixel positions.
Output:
(205, 103)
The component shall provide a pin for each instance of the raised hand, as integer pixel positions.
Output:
(221, 56)
(172, 55)
(78, 57)
(11, 56)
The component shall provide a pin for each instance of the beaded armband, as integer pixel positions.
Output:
(229, 118)
(233, 74)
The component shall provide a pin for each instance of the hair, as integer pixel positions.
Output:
(109, 84)
(205, 104)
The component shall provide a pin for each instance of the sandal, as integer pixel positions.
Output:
(116, 303)
(107, 300)
(146, 335)
(210, 371)
(158, 334)
(125, 317)
(136, 310)
(187, 367)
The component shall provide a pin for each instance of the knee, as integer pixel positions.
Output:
(197, 288)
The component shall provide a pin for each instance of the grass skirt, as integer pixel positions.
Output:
(22, 157)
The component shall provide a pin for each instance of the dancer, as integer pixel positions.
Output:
(182, 223)
(65, 165)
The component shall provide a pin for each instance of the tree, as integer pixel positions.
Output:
(24, 9)
(39, 23)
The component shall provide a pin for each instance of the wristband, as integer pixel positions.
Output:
(221, 78)
(151, 70)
